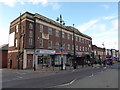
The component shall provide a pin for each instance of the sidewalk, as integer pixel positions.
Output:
(50, 69)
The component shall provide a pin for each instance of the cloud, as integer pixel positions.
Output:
(109, 17)
(106, 6)
(87, 25)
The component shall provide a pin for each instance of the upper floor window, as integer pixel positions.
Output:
(64, 46)
(57, 45)
(68, 46)
(17, 28)
(76, 38)
(49, 44)
(30, 26)
(41, 28)
(57, 33)
(50, 31)
(76, 47)
(83, 48)
(41, 43)
(80, 48)
(68, 36)
(30, 33)
(16, 43)
(63, 34)
(72, 47)
(72, 37)
(30, 41)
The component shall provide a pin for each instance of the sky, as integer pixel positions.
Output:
(95, 18)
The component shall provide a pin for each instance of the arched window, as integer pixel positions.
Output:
(30, 26)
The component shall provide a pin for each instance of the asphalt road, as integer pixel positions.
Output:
(16, 79)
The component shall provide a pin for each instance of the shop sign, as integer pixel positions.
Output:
(40, 51)
(63, 52)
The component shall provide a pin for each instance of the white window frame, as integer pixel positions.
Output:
(17, 28)
(68, 46)
(49, 30)
(63, 34)
(30, 26)
(49, 44)
(30, 41)
(57, 33)
(41, 28)
(30, 33)
(41, 43)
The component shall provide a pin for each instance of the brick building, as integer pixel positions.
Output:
(99, 53)
(35, 40)
(3, 56)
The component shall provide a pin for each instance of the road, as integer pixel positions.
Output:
(18, 79)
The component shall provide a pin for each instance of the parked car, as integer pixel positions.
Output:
(109, 61)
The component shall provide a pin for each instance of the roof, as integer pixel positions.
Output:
(43, 18)
(4, 47)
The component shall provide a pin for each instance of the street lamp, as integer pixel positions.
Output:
(74, 61)
(61, 45)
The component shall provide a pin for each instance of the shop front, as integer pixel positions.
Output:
(44, 58)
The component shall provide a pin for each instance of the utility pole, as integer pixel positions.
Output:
(61, 45)
(74, 57)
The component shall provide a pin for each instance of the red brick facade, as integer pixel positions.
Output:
(22, 52)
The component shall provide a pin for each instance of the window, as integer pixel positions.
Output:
(49, 44)
(30, 41)
(68, 46)
(76, 38)
(57, 33)
(41, 28)
(17, 28)
(63, 34)
(41, 43)
(16, 42)
(30, 26)
(50, 31)
(72, 37)
(76, 47)
(88, 48)
(68, 36)
(80, 48)
(30, 33)
(64, 46)
(72, 47)
(57, 45)
(83, 48)
(79, 39)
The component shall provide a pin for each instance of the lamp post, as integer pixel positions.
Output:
(74, 61)
(61, 45)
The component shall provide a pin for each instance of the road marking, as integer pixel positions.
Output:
(66, 83)
(91, 75)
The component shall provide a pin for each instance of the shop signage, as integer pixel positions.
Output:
(41, 51)
(59, 52)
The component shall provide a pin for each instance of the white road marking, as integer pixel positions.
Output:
(91, 75)
(66, 83)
